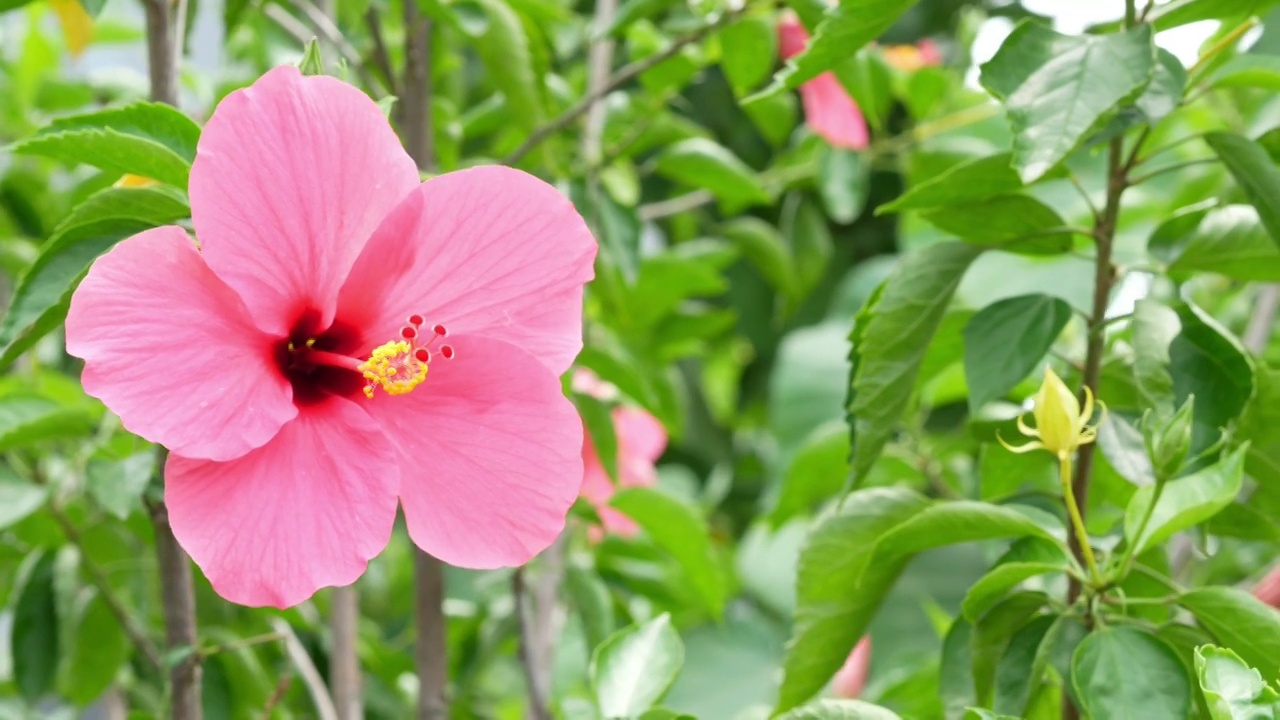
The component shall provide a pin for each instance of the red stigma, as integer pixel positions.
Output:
(447, 351)
(408, 333)
(440, 330)
(416, 320)
(422, 355)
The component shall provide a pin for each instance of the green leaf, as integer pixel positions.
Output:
(682, 532)
(840, 710)
(504, 49)
(1251, 70)
(967, 182)
(1239, 621)
(311, 62)
(891, 336)
(1124, 672)
(747, 51)
(1164, 94)
(701, 163)
(18, 499)
(868, 80)
(1254, 172)
(597, 419)
(634, 10)
(992, 635)
(958, 521)
(97, 650)
(1058, 89)
(762, 246)
(1005, 341)
(1232, 689)
(29, 420)
(993, 586)
(846, 28)
(591, 601)
(1231, 241)
(34, 643)
(844, 180)
(1184, 502)
(1207, 362)
(1015, 223)
(633, 669)
(117, 483)
(816, 474)
(1155, 326)
(148, 139)
(1183, 12)
(40, 300)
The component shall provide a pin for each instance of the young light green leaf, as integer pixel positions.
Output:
(701, 163)
(1015, 223)
(311, 62)
(990, 588)
(840, 710)
(846, 28)
(1005, 341)
(890, 338)
(1254, 172)
(1231, 241)
(635, 10)
(1183, 12)
(147, 139)
(967, 182)
(747, 50)
(1060, 88)
(1251, 70)
(1184, 502)
(1232, 689)
(633, 669)
(1155, 326)
(26, 421)
(40, 300)
(867, 79)
(18, 499)
(1239, 621)
(681, 531)
(1119, 669)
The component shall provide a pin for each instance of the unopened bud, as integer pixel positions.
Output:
(1168, 439)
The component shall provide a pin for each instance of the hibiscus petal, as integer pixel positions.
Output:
(832, 114)
(490, 455)
(307, 510)
(640, 436)
(172, 350)
(487, 251)
(291, 176)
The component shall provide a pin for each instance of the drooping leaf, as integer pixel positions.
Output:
(1060, 88)
(1118, 671)
(1239, 621)
(891, 336)
(147, 139)
(1015, 223)
(1005, 341)
(762, 246)
(1256, 174)
(1208, 362)
(633, 669)
(35, 639)
(1184, 502)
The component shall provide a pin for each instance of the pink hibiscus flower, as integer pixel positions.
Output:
(1268, 588)
(295, 364)
(828, 109)
(641, 440)
(851, 678)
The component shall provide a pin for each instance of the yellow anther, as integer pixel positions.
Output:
(394, 367)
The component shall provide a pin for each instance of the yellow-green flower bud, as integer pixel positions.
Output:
(1061, 425)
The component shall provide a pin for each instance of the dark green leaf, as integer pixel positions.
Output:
(701, 163)
(993, 586)
(1016, 223)
(1058, 89)
(1005, 341)
(1256, 174)
(1184, 502)
(1124, 672)
(1233, 690)
(1013, 680)
(147, 139)
(1239, 621)
(1209, 363)
(682, 532)
(35, 630)
(97, 650)
(633, 669)
(891, 336)
(992, 635)
(979, 179)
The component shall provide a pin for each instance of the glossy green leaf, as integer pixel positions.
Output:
(1231, 241)
(747, 51)
(701, 163)
(1059, 88)
(633, 669)
(1016, 223)
(890, 338)
(35, 639)
(840, 710)
(979, 179)
(984, 594)
(1184, 502)
(1013, 678)
(682, 532)
(1239, 621)
(1125, 672)
(957, 521)
(845, 29)
(147, 139)
(40, 300)
(1005, 341)
(1232, 689)
(1254, 172)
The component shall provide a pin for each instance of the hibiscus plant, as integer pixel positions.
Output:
(718, 359)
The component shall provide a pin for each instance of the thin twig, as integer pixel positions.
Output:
(287, 22)
(344, 661)
(306, 670)
(538, 709)
(623, 76)
(381, 58)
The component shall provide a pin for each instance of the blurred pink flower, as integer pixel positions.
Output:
(1268, 588)
(828, 108)
(641, 440)
(913, 57)
(326, 272)
(851, 678)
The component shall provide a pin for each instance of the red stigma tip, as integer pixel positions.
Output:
(408, 333)
(422, 355)
(415, 320)
(447, 351)
(440, 330)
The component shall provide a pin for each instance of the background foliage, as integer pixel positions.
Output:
(805, 320)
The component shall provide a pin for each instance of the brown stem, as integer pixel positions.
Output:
(161, 51)
(415, 100)
(381, 58)
(529, 661)
(178, 598)
(344, 661)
